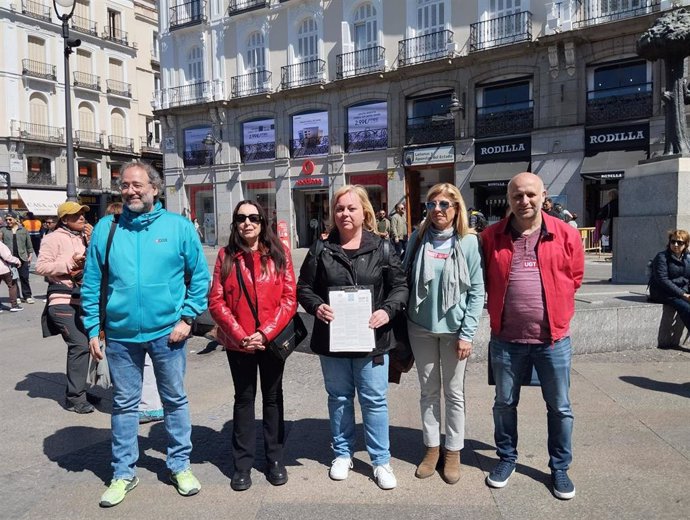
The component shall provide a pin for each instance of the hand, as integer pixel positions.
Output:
(180, 333)
(686, 297)
(463, 349)
(95, 348)
(324, 312)
(254, 342)
(88, 229)
(78, 260)
(378, 319)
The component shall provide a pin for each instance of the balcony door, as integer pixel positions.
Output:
(117, 124)
(37, 49)
(501, 21)
(38, 114)
(256, 63)
(431, 21)
(365, 37)
(307, 53)
(194, 76)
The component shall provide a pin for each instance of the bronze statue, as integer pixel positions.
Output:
(669, 39)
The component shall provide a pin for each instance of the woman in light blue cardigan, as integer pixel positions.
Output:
(446, 301)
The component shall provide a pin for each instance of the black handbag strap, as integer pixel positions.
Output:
(105, 272)
(246, 294)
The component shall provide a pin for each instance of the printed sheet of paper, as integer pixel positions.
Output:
(352, 308)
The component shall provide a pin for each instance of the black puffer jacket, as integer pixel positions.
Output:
(670, 276)
(333, 268)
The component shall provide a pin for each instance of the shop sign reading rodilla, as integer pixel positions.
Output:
(503, 150)
(628, 137)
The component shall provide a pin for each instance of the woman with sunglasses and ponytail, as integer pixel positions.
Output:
(671, 275)
(445, 303)
(255, 254)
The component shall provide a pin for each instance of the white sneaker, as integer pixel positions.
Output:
(30, 300)
(340, 468)
(384, 476)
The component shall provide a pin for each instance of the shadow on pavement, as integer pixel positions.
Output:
(681, 389)
(44, 385)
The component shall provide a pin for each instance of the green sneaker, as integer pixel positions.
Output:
(117, 490)
(186, 483)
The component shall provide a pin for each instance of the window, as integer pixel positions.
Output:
(87, 118)
(256, 60)
(506, 97)
(619, 91)
(115, 69)
(307, 41)
(38, 113)
(429, 119)
(504, 108)
(499, 8)
(620, 79)
(365, 27)
(196, 153)
(37, 49)
(117, 123)
(367, 127)
(156, 81)
(309, 134)
(431, 16)
(195, 66)
(114, 20)
(154, 45)
(258, 140)
(38, 165)
(83, 61)
(81, 9)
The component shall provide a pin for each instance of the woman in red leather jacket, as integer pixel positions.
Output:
(265, 265)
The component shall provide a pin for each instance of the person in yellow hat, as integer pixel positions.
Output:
(61, 261)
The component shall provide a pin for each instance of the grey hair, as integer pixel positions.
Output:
(154, 177)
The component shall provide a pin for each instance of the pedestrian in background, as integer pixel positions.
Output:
(17, 239)
(7, 261)
(33, 227)
(61, 261)
(265, 265)
(446, 301)
(399, 229)
(157, 285)
(354, 255)
(534, 263)
(383, 225)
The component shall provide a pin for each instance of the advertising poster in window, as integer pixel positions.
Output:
(259, 140)
(310, 134)
(196, 153)
(367, 127)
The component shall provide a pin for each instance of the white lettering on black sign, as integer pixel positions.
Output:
(502, 148)
(616, 137)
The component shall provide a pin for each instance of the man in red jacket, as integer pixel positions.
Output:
(533, 265)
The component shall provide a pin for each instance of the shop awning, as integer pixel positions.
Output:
(42, 202)
(611, 164)
(497, 172)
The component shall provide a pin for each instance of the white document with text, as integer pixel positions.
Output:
(352, 308)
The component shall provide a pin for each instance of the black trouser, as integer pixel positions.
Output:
(68, 319)
(243, 368)
(24, 280)
(35, 243)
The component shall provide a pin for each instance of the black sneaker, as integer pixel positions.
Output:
(563, 487)
(16, 308)
(499, 476)
(80, 407)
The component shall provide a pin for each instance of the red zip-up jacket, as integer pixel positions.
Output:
(276, 296)
(561, 260)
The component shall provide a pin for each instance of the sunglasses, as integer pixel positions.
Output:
(443, 205)
(677, 242)
(254, 219)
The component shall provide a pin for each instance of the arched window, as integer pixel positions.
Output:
(431, 16)
(365, 33)
(38, 114)
(307, 41)
(87, 118)
(117, 123)
(195, 65)
(256, 53)
(84, 61)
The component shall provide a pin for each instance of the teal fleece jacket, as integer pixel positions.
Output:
(151, 256)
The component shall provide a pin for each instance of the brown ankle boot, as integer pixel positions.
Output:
(428, 465)
(451, 466)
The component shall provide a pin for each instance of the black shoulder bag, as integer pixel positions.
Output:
(292, 335)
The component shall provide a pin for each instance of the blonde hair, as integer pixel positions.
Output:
(369, 215)
(460, 221)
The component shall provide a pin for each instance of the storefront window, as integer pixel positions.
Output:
(263, 192)
(367, 127)
(196, 153)
(376, 185)
(309, 134)
(258, 140)
(429, 119)
(504, 109)
(39, 170)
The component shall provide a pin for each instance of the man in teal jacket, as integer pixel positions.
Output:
(157, 284)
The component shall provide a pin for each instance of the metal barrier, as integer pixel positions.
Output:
(588, 240)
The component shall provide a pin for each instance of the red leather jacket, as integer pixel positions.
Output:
(561, 260)
(274, 296)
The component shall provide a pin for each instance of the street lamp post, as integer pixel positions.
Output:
(64, 13)
(210, 142)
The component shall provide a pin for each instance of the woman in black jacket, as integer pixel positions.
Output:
(671, 275)
(353, 255)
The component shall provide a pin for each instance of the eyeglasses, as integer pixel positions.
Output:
(135, 186)
(677, 242)
(442, 204)
(254, 218)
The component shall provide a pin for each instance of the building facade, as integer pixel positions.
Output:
(285, 101)
(113, 75)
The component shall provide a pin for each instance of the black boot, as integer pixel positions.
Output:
(241, 480)
(277, 473)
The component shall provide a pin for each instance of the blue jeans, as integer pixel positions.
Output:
(126, 362)
(342, 377)
(510, 360)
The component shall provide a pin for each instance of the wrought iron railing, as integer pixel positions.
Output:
(426, 47)
(363, 61)
(512, 28)
(300, 74)
(38, 69)
(187, 13)
(150, 145)
(508, 118)
(37, 132)
(86, 182)
(198, 155)
(119, 142)
(238, 6)
(250, 84)
(594, 12)
(40, 178)
(194, 93)
(87, 138)
(84, 25)
(430, 129)
(619, 104)
(85, 80)
(115, 34)
(118, 88)
(36, 10)
(309, 146)
(366, 140)
(258, 152)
